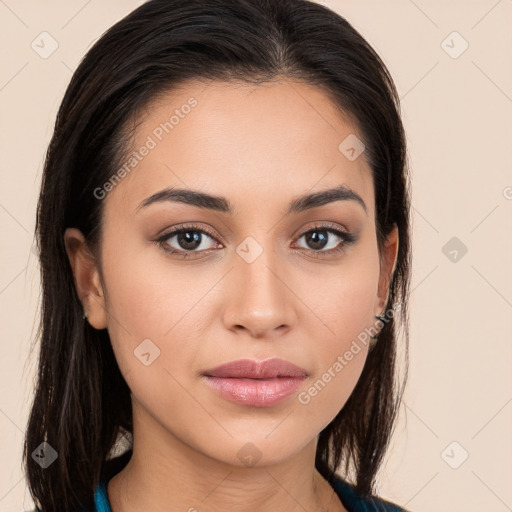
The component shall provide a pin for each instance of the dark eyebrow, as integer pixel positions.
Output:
(221, 204)
(340, 193)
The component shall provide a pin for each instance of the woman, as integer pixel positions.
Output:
(224, 245)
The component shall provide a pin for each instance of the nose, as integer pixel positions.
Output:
(259, 298)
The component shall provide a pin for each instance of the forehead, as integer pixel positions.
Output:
(273, 141)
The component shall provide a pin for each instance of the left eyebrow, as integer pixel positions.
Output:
(221, 204)
(340, 193)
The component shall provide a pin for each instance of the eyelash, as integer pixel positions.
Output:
(347, 239)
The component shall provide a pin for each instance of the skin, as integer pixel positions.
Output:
(260, 147)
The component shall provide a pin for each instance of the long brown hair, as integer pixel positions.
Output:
(82, 402)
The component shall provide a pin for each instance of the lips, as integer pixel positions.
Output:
(256, 384)
(249, 369)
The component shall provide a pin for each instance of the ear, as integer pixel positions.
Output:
(387, 268)
(87, 278)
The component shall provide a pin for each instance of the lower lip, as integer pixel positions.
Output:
(255, 392)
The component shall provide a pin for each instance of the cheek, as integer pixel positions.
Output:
(339, 356)
(157, 326)
(344, 299)
(149, 299)
(147, 292)
(345, 306)
(326, 393)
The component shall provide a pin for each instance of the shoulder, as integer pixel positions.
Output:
(355, 502)
(101, 498)
(111, 467)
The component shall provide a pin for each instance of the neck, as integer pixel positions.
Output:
(165, 470)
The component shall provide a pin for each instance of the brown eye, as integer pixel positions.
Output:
(326, 239)
(188, 240)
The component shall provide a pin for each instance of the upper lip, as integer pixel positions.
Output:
(250, 369)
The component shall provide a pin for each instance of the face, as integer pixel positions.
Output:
(246, 278)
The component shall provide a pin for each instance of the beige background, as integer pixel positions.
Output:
(457, 113)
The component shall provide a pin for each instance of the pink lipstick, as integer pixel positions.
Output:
(256, 384)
